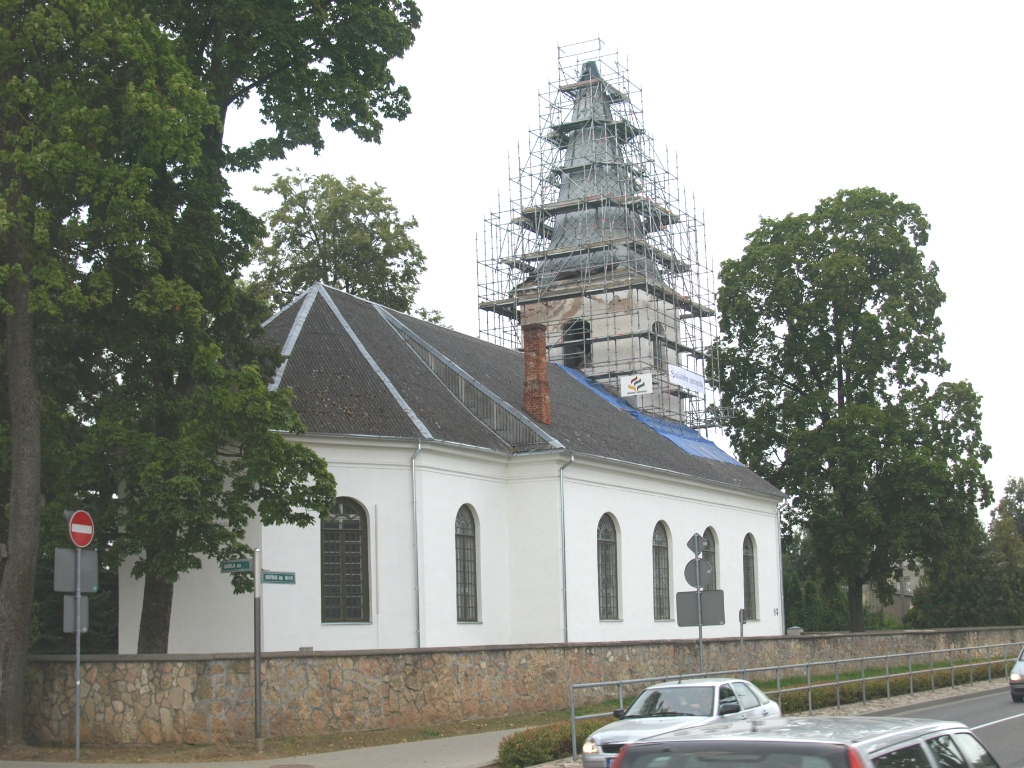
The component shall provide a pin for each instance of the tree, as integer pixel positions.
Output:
(829, 340)
(183, 354)
(343, 234)
(93, 101)
(1012, 503)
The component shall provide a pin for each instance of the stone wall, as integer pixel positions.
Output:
(202, 699)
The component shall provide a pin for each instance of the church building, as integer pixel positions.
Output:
(514, 488)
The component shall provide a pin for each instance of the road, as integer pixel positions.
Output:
(993, 717)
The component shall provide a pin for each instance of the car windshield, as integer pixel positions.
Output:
(693, 700)
(733, 755)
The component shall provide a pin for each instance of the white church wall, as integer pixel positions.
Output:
(206, 615)
(450, 478)
(534, 549)
(638, 503)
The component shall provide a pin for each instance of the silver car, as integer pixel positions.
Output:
(668, 707)
(1017, 679)
(812, 742)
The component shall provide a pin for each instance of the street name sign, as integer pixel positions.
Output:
(236, 566)
(278, 577)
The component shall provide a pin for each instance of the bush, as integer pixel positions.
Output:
(544, 743)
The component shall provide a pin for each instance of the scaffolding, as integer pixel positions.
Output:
(597, 243)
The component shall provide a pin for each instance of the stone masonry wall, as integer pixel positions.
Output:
(202, 699)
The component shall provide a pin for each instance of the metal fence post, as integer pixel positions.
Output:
(931, 667)
(952, 670)
(778, 687)
(839, 702)
(910, 668)
(970, 663)
(988, 657)
(888, 693)
(810, 692)
(572, 717)
(863, 683)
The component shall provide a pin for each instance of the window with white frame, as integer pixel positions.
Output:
(465, 564)
(662, 588)
(344, 564)
(750, 577)
(607, 569)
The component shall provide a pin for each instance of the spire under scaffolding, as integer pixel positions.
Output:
(598, 246)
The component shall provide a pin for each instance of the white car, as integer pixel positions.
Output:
(1017, 679)
(668, 707)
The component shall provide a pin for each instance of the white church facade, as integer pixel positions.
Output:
(462, 520)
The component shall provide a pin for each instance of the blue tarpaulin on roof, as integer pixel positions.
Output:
(684, 437)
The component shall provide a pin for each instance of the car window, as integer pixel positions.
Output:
(973, 752)
(693, 700)
(725, 695)
(907, 757)
(946, 755)
(746, 696)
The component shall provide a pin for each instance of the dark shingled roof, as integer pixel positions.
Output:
(337, 391)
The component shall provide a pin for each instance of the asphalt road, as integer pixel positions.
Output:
(994, 718)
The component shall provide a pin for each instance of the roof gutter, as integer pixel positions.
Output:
(561, 525)
(415, 543)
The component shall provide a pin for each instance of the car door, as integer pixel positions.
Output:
(750, 702)
(727, 699)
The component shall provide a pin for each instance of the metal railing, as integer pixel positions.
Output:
(950, 660)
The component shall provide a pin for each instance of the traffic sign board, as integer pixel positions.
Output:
(81, 528)
(236, 566)
(278, 577)
(690, 573)
(697, 543)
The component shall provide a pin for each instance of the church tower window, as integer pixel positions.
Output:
(576, 344)
(344, 564)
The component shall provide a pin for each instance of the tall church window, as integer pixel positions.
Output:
(344, 564)
(711, 554)
(658, 344)
(465, 564)
(576, 344)
(662, 589)
(749, 578)
(607, 568)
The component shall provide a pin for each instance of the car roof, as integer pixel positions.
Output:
(833, 730)
(698, 681)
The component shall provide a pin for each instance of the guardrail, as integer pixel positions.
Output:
(958, 658)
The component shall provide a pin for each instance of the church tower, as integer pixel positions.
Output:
(596, 248)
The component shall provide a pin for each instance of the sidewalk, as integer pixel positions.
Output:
(473, 751)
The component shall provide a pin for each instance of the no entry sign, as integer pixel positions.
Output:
(81, 528)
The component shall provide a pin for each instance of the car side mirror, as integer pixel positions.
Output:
(618, 714)
(728, 708)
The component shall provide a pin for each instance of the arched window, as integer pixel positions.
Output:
(344, 564)
(607, 568)
(465, 564)
(749, 578)
(662, 589)
(658, 344)
(576, 343)
(710, 554)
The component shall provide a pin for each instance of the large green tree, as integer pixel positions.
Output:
(343, 234)
(185, 355)
(93, 103)
(830, 343)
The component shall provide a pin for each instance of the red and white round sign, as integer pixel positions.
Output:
(81, 528)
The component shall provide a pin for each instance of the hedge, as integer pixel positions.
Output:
(544, 743)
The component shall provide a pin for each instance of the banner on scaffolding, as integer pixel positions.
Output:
(680, 377)
(636, 384)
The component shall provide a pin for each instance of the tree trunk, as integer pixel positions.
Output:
(855, 600)
(26, 509)
(155, 625)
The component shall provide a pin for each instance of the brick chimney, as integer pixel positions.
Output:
(536, 394)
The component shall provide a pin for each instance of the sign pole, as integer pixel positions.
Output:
(258, 646)
(700, 623)
(78, 653)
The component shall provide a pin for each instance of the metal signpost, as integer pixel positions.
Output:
(260, 577)
(81, 530)
(743, 659)
(695, 609)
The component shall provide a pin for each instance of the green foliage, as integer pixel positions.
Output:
(830, 336)
(979, 582)
(1012, 503)
(810, 603)
(343, 234)
(544, 743)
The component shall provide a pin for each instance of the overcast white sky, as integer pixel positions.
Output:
(770, 106)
